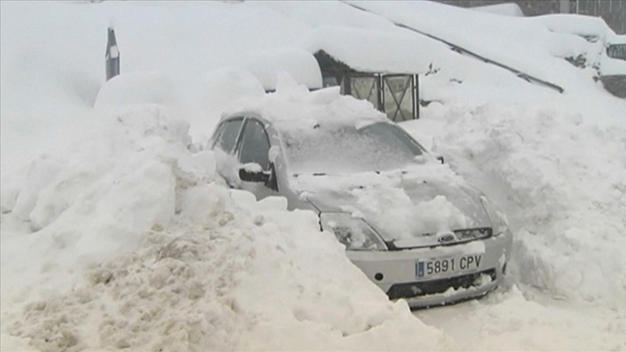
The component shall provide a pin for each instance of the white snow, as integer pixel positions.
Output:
(506, 9)
(136, 88)
(378, 51)
(617, 39)
(524, 46)
(589, 26)
(116, 233)
(294, 107)
(396, 202)
(298, 63)
(146, 251)
(564, 192)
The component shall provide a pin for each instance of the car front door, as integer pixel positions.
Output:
(224, 143)
(254, 149)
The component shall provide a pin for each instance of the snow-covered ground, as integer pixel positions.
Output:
(116, 233)
(560, 180)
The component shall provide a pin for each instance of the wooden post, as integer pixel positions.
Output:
(416, 96)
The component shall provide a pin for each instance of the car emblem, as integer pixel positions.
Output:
(447, 237)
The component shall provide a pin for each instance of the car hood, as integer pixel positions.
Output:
(424, 206)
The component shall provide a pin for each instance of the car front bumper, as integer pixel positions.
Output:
(395, 271)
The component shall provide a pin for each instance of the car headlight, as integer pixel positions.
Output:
(354, 233)
(498, 219)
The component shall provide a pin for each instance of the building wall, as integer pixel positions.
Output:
(612, 11)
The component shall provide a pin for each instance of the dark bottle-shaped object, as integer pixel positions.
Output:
(112, 56)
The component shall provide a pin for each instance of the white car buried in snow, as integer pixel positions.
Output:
(413, 226)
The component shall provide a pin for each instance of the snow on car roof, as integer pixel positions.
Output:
(295, 106)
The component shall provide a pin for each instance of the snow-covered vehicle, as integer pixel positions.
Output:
(413, 226)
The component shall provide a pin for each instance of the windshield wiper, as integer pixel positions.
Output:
(313, 174)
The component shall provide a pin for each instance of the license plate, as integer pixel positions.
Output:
(431, 267)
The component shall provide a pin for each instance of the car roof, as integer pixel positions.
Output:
(307, 108)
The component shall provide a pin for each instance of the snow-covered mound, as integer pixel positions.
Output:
(136, 88)
(115, 232)
(299, 64)
(565, 192)
(150, 252)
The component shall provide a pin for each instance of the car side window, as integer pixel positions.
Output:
(256, 145)
(228, 137)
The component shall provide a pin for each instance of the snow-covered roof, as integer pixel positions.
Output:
(510, 9)
(617, 39)
(368, 50)
(585, 26)
(517, 43)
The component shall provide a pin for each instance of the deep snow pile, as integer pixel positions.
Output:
(149, 252)
(120, 204)
(562, 180)
(397, 203)
(519, 320)
(523, 45)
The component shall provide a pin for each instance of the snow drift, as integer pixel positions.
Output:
(134, 243)
(169, 259)
(564, 192)
(116, 234)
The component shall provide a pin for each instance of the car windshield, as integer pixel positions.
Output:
(340, 148)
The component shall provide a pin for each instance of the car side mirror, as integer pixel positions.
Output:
(252, 172)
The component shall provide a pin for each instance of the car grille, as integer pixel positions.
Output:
(473, 234)
(416, 289)
(460, 236)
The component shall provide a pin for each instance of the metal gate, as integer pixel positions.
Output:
(394, 94)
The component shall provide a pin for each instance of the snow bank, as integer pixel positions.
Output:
(215, 91)
(297, 63)
(318, 298)
(149, 252)
(516, 320)
(117, 234)
(136, 88)
(564, 192)
(116, 175)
